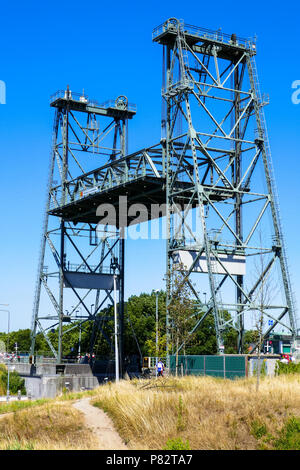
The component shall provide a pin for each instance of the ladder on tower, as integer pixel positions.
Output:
(203, 72)
(272, 180)
(183, 55)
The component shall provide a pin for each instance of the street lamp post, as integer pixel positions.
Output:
(79, 339)
(156, 336)
(8, 325)
(116, 331)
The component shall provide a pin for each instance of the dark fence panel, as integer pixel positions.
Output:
(225, 366)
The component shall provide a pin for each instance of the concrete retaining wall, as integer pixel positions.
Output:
(49, 380)
(50, 387)
(51, 369)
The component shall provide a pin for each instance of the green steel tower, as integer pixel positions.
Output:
(78, 260)
(223, 227)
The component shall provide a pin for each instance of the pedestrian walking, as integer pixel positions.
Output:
(160, 368)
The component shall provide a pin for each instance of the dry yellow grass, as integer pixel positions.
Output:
(209, 413)
(213, 414)
(52, 426)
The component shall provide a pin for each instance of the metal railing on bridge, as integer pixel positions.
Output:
(83, 98)
(216, 35)
(144, 163)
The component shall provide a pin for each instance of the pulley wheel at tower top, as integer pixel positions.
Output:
(122, 102)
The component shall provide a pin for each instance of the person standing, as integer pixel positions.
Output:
(160, 368)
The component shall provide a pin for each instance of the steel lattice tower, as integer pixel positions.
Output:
(218, 162)
(77, 261)
(210, 175)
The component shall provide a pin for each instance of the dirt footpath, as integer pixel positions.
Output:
(101, 425)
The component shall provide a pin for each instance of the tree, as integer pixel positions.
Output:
(139, 325)
(150, 345)
(263, 298)
(204, 339)
(140, 322)
(139, 329)
(181, 309)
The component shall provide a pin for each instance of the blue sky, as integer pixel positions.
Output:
(106, 48)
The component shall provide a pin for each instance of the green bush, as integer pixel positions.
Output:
(15, 382)
(17, 445)
(258, 429)
(289, 368)
(289, 438)
(177, 444)
(2, 385)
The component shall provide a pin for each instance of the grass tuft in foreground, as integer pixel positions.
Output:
(205, 412)
(54, 425)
